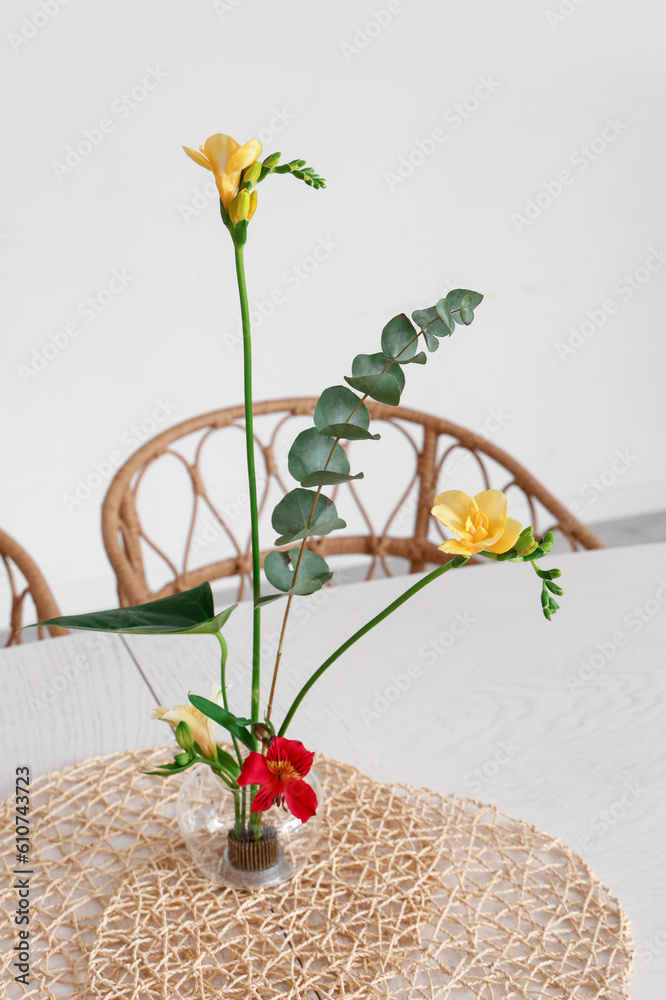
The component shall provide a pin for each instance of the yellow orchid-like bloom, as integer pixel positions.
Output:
(480, 522)
(227, 159)
(203, 728)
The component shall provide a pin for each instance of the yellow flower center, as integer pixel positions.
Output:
(283, 769)
(476, 524)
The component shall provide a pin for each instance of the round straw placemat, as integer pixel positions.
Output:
(409, 894)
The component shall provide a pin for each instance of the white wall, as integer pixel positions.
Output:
(356, 106)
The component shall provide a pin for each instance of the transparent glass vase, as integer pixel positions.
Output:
(230, 853)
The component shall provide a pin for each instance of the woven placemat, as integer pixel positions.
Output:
(409, 894)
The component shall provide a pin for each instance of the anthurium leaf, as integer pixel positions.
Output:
(454, 302)
(294, 516)
(399, 339)
(340, 413)
(313, 573)
(225, 719)
(371, 375)
(188, 613)
(432, 325)
(312, 453)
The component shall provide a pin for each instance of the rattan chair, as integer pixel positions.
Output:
(434, 441)
(25, 578)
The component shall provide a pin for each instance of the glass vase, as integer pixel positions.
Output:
(233, 847)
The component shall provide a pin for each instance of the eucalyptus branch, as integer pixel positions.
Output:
(336, 441)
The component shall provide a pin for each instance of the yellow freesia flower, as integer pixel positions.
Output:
(479, 521)
(203, 728)
(227, 159)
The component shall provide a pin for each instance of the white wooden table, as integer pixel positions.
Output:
(465, 689)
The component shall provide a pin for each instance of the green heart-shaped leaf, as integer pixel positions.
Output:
(378, 376)
(313, 461)
(302, 513)
(313, 573)
(432, 324)
(399, 339)
(455, 304)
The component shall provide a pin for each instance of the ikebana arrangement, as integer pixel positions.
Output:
(260, 832)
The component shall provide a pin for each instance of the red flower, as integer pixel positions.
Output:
(280, 774)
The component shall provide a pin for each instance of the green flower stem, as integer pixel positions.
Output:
(440, 571)
(252, 480)
(239, 824)
(223, 686)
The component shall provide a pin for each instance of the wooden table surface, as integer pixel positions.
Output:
(464, 689)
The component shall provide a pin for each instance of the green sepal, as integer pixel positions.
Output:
(240, 233)
(295, 518)
(399, 339)
(332, 415)
(225, 719)
(189, 613)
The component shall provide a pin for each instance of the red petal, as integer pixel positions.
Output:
(264, 798)
(254, 771)
(293, 751)
(301, 799)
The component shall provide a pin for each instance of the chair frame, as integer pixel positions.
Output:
(122, 532)
(37, 587)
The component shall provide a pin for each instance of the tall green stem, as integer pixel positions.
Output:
(223, 688)
(453, 564)
(252, 481)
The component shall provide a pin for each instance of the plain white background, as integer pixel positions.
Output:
(519, 92)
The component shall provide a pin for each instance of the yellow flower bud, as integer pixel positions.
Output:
(251, 175)
(240, 207)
